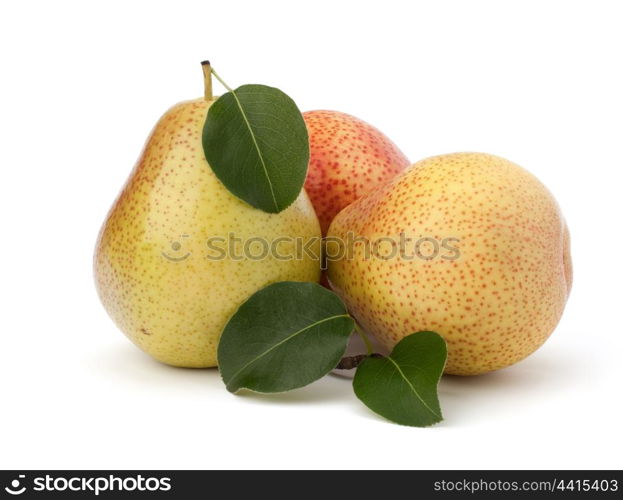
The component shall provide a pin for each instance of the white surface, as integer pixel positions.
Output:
(537, 82)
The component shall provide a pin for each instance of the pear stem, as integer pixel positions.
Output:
(207, 80)
(350, 362)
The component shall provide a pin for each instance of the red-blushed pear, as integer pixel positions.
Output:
(468, 245)
(348, 158)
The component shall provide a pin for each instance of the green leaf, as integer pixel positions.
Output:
(285, 336)
(255, 140)
(403, 386)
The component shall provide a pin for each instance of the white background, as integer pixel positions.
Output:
(539, 83)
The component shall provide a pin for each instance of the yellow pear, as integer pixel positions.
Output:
(157, 266)
(468, 245)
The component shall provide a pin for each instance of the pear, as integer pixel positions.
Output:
(157, 266)
(348, 158)
(468, 245)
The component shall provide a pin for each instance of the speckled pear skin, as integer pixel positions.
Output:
(151, 264)
(499, 300)
(348, 158)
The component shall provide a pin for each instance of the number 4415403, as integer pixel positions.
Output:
(588, 485)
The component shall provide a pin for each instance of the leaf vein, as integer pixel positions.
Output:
(413, 388)
(259, 152)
